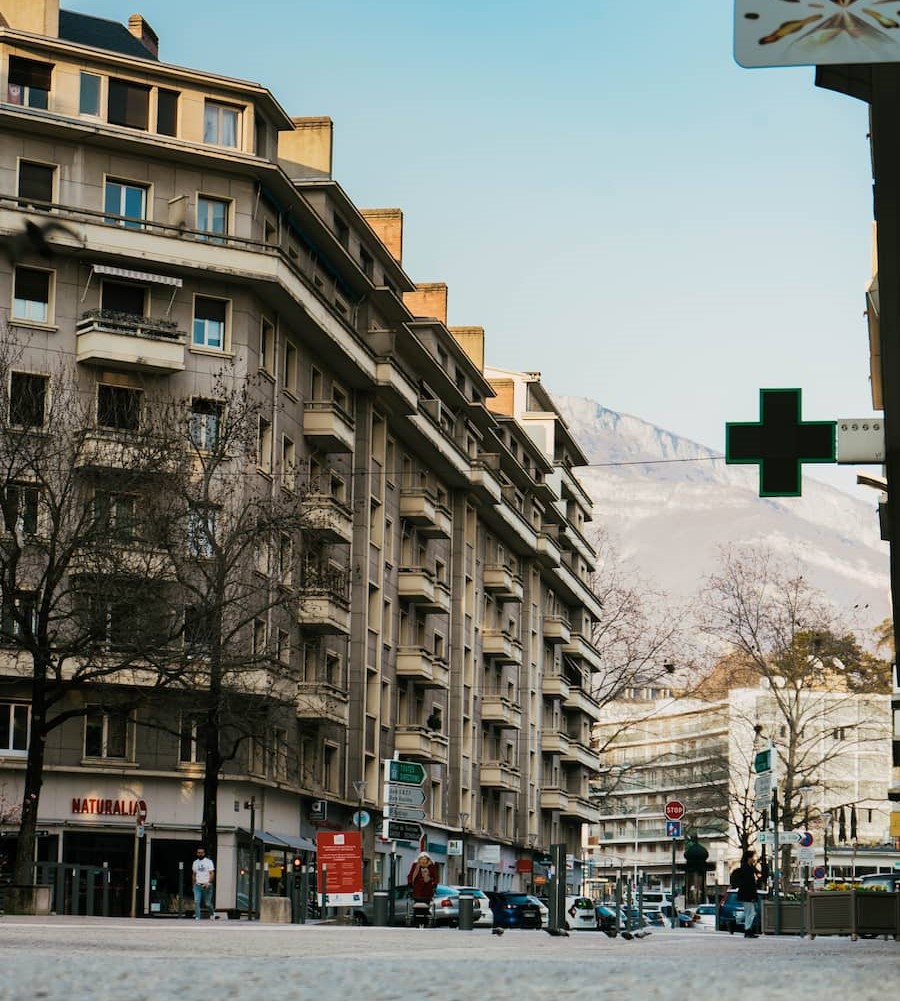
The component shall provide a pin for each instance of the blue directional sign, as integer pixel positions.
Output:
(673, 828)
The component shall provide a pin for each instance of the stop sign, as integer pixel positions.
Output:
(674, 810)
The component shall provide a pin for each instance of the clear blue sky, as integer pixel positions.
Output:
(621, 206)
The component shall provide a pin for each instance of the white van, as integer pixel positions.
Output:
(654, 900)
(580, 913)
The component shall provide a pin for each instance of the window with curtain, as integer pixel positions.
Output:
(128, 104)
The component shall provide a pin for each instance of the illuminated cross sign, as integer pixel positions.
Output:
(780, 442)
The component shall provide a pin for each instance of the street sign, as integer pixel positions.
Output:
(673, 828)
(762, 784)
(784, 837)
(806, 839)
(771, 33)
(402, 830)
(142, 812)
(340, 853)
(762, 802)
(762, 763)
(674, 810)
(406, 813)
(819, 872)
(779, 443)
(398, 795)
(405, 772)
(361, 818)
(806, 856)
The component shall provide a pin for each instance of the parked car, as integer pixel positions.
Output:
(705, 915)
(580, 914)
(544, 909)
(486, 917)
(655, 918)
(884, 880)
(683, 918)
(731, 913)
(606, 919)
(515, 910)
(444, 908)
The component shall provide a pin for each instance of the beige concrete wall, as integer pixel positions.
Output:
(388, 227)
(471, 340)
(39, 16)
(307, 151)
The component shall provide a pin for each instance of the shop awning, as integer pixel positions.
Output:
(137, 276)
(289, 842)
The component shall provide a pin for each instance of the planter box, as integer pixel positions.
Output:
(18, 899)
(792, 917)
(847, 912)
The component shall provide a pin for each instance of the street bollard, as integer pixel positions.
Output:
(380, 908)
(466, 912)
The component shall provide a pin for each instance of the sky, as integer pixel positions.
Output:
(619, 204)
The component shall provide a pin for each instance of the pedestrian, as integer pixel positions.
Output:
(203, 874)
(422, 882)
(745, 879)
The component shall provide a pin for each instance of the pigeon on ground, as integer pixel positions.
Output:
(627, 935)
(561, 932)
(496, 931)
(33, 239)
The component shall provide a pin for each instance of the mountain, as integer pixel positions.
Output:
(669, 504)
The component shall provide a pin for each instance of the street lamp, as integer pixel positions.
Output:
(463, 821)
(826, 819)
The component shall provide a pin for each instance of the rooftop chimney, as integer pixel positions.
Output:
(471, 340)
(306, 152)
(428, 300)
(144, 34)
(38, 16)
(388, 227)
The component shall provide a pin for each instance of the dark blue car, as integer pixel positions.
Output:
(514, 910)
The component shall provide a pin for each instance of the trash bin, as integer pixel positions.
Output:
(466, 911)
(380, 908)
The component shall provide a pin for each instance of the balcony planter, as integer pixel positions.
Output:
(854, 913)
(792, 917)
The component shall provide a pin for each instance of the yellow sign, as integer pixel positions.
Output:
(895, 824)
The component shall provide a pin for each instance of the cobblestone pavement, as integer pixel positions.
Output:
(97, 959)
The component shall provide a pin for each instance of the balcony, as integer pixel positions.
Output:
(556, 629)
(419, 586)
(580, 648)
(416, 741)
(328, 517)
(499, 775)
(327, 426)
(485, 484)
(555, 799)
(554, 742)
(321, 701)
(580, 754)
(555, 686)
(420, 508)
(394, 388)
(580, 808)
(122, 340)
(548, 551)
(322, 602)
(502, 711)
(124, 450)
(501, 646)
(421, 666)
(578, 700)
(500, 581)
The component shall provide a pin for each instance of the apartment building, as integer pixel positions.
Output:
(658, 747)
(169, 231)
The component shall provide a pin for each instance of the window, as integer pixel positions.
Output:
(286, 560)
(279, 754)
(29, 83)
(15, 723)
(167, 112)
(290, 367)
(201, 531)
(221, 124)
(27, 399)
(288, 463)
(114, 514)
(267, 345)
(106, 734)
(329, 767)
(128, 104)
(124, 297)
(118, 407)
(21, 507)
(259, 638)
(212, 217)
(341, 231)
(264, 445)
(206, 417)
(31, 295)
(210, 317)
(199, 629)
(126, 200)
(89, 94)
(367, 263)
(283, 647)
(192, 739)
(36, 184)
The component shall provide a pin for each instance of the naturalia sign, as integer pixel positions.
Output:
(109, 807)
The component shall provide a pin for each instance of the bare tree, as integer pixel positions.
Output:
(784, 635)
(83, 582)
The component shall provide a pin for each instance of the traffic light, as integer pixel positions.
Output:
(298, 865)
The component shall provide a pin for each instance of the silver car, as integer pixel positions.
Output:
(486, 918)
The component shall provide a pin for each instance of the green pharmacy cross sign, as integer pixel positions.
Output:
(780, 442)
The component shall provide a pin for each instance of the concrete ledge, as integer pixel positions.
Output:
(275, 910)
(18, 899)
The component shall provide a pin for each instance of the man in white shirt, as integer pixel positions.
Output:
(203, 874)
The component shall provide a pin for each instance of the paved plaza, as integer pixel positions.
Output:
(77, 959)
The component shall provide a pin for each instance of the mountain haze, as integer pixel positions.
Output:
(669, 504)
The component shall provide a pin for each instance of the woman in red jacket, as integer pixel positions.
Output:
(422, 882)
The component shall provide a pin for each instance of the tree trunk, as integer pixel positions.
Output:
(23, 867)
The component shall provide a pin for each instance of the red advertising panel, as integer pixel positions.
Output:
(339, 862)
